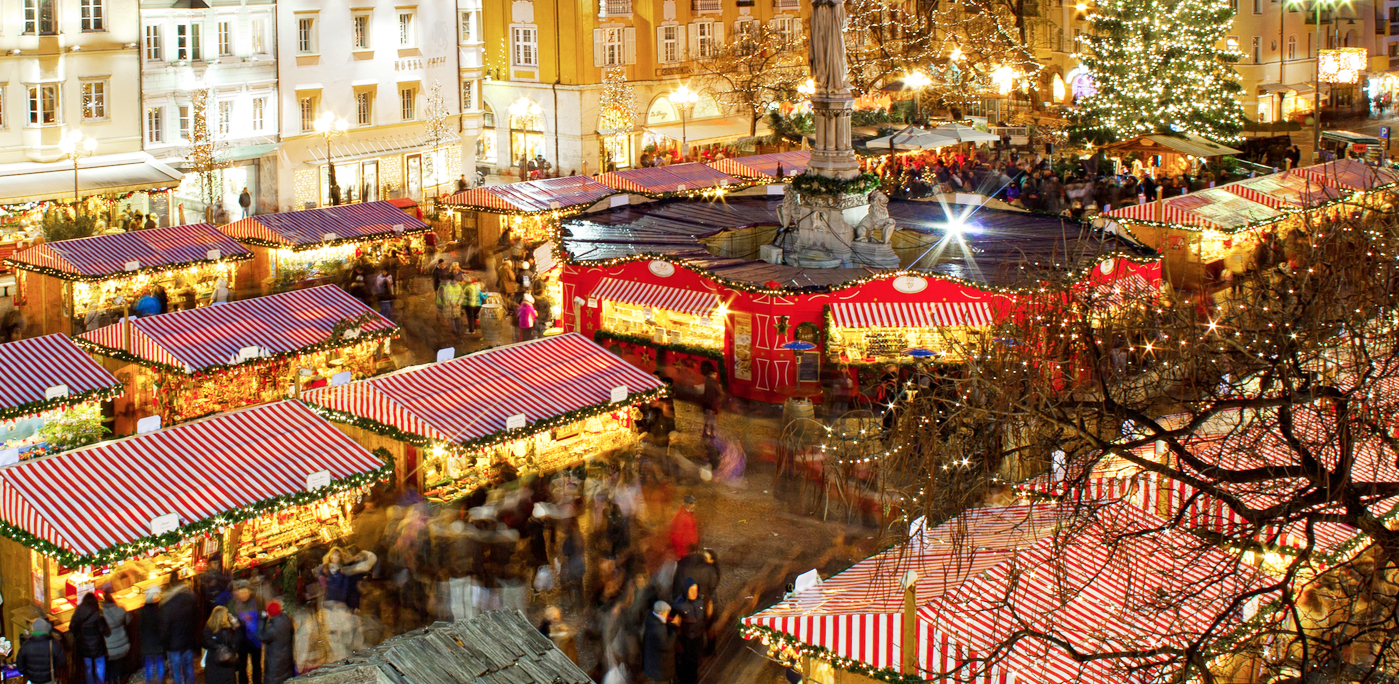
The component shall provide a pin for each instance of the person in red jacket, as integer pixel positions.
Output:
(684, 530)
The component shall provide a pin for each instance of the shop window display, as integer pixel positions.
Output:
(663, 326)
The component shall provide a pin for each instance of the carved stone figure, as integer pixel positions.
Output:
(789, 210)
(877, 220)
(828, 67)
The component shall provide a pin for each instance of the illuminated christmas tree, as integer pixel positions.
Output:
(1157, 68)
(617, 115)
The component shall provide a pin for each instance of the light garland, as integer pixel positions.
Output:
(330, 344)
(322, 244)
(161, 271)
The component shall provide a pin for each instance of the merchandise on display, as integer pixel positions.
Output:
(663, 326)
(263, 540)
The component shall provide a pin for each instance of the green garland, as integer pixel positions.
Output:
(120, 275)
(808, 183)
(884, 674)
(703, 352)
(123, 355)
(124, 551)
(358, 239)
(39, 406)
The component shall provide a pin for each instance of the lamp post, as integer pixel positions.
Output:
(76, 146)
(329, 126)
(687, 98)
(917, 81)
(1316, 73)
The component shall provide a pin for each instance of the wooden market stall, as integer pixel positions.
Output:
(71, 286)
(141, 511)
(777, 165)
(45, 378)
(297, 249)
(530, 210)
(455, 426)
(188, 364)
(1164, 154)
(656, 182)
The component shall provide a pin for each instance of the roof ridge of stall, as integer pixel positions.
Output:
(98, 257)
(307, 229)
(53, 357)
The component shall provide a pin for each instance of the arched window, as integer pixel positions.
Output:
(1292, 46)
(661, 111)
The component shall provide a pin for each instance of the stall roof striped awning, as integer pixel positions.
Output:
(30, 367)
(311, 228)
(1148, 212)
(1210, 208)
(1286, 190)
(102, 256)
(101, 497)
(658, 180)
(471, 397)
(213, 336)
(694, 302)
(764, 166)
(1350, 174)
(911, 314)
(534, 197)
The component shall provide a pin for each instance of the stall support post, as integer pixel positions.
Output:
(908, 653)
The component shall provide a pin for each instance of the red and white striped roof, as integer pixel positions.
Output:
(1286, 190)
(311, 228)
(102, 256)
(534, 197)
(30, 367)
(103, 496)
(1350, 174)
(911, 314)
(213, 336)
(659, 180)
(471, 397)
(1119, 292)
(1215, 208)
(764, 166)
(695, 302)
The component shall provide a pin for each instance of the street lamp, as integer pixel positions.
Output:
(329, 126)
(1316, 72)
(76, 147)
(917, 81)
(686, 98)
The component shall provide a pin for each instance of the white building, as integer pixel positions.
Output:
(471, 63)
(387, 68)
(227, 48)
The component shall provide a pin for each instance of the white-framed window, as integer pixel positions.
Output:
(259, 114)
(94, 100)
(1258, 49)
(364, 108)
(359, 31)
(307, 107)
(668, 45)
(154, 122)
(611, 42)
(93, 15)
(306, 35)
(1231, 42)
(3, 122)
(225, 38)
(187, 46)
(704, 39)
(469, 28)
(786, 29)
(408, 103)
(43, 104)
(257, 36)
(524, 46)
(153, 51)
(184, 122)
(468, 95)
(406, 35)
(1292, 46)
(40, 17)
(1257, 6)
(225, 118)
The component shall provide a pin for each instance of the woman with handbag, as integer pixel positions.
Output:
(223, 635)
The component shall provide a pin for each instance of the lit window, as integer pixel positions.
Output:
(94, 100)
(613, 47)
(225, 118)
(360, 31)
(405, 29)
(308, 114)
(40, 17)
(468, 95)
(184, 122)
(43, 104)
(705, 45)
(225, 39)
(364, 112)
(407, 99)
(153, 125)
(525, 40)
(670, 43)
(259, 112)
(187, 43)
(306, 35)
(257, 35)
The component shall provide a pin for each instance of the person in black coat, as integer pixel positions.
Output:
(689, 607)
(152, 637)
(658, 645)
(179, 623)
(278, 637)
(223, 636)
(89, 630)
(40, 655)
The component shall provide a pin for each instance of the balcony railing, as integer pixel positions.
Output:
(787, 4)
(705, 5)
(614, 8)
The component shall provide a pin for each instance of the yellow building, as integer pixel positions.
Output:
(544, 63)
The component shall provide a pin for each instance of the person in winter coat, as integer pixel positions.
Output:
(118, 643)
(41, 656)
(339, 577)
(527, 317)
(449, 301)
(179, 622)
(505, 278)
(223, 637)
(278, 637)
(248, 609)
(690, 608)
(148, 629)
(684, 530)
(703, 568)
(89, 631)
(658, 644)
(471, 303)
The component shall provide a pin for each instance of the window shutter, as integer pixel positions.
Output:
(718, 35)
(679, 44)
(629, 45)
(598, 47)
(694, 39)
(660, 44)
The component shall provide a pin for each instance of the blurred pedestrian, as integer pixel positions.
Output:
(527, 316)
(89, 631)
(472, 301)
(40, 658)
(118, 642)
(248, 610)
(690, 608)
(223, 639)
(684, 529)
(658, 645)
(449, 300)
(384, 290)
(179, 618)
(152, 636)
(278, 637)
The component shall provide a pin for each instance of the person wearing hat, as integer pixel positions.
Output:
(278, 637)
(41, 657)
(152, 637)
(248, 609)
(527, 317)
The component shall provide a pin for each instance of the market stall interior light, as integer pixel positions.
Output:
(1342, 65)
(916, 80)
(1004, 78)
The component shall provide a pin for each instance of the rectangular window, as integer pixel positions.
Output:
(1257, 49)
(670, 43)
(407, 99)
(153, 43)
(308, 114)
(468, 95)
(257, 36)
(364, 112)
(786, 28)
(187, 43)
(259, 113)
(40, 17)
(470, 27)
(2, 106)
(613, 47)
(707, 46)
(184, 122)
(405, 29)
(306, 35)
(94, 100)
(43, 104)
(154, 133)
(1257, 6)
(225, 39)
(525, 40)
(225, 118)
(92, 15)
(1234, 6)
(359, 30)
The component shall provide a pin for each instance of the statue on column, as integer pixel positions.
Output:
(829, 71)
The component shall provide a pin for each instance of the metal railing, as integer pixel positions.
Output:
(705, 5)
(614, 8)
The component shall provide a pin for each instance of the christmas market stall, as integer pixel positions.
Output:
(529, 210)
(656, 182)
(151, 509)
(1163, 154)
(47, 378)
(297, 249)
(457, 425)
(1351, 175)
(762, 167)
(188, 364)
(948, 603)
(71, 286)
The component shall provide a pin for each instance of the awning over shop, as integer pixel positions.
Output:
(314, 228)
(1286, 190)
(99, 175)
(910, 314)
(1274, 88)
(696, 303)
(247, 152)
(224, 335)
(472, 397)
(212, 473)
(1350, 174)
(1215, 208)
(1158, 143)
(35, 367)
(708, 130)
(659, 180)
(102, 256)
(1124, 290)
(764, 166)
(534, 197)
(348, 148)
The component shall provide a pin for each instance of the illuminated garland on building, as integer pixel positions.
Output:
(717, 357)
(321, 244)
(815, 184)
(19, 208)
(160, 270)
(41, 405)
(328, 345)
(769, 637)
